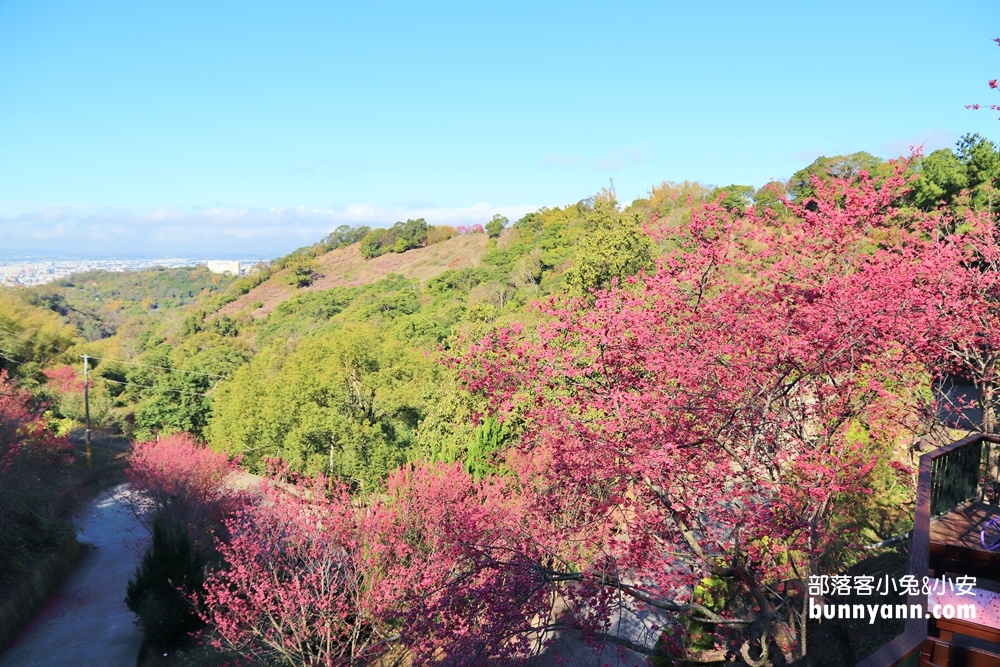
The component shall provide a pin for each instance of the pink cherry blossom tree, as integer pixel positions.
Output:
(436, 570)
(708, 420)
(34, 486)
(183, 482)
(712, 421)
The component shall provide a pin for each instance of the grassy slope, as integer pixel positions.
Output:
(345, 267)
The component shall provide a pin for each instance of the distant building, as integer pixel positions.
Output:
(223, 266)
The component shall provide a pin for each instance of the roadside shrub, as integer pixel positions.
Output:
(160, 592)
(179, 491)
(33, 483)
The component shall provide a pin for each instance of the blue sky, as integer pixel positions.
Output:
(255, 127)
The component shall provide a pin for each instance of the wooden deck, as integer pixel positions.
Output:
(983, 624)
(961, 526)
(956, 548)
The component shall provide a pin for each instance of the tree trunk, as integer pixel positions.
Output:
(987, 401)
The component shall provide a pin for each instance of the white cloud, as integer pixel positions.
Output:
(561, 160)
(931, 141)
(215, 229)
(808, 155)
(613, 161)
(619, 159)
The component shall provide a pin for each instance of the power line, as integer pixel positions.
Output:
(31, 340)
(107, 359)
(14, 334)
(166, 368)
(147, 386)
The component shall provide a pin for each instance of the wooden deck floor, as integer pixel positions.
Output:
(956, 549)
(961, 526)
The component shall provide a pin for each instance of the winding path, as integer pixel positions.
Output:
(86, 622)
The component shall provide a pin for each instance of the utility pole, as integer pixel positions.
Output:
(86, 402)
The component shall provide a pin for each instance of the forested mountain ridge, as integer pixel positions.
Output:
(96, 303)
(212, 364)
(414, 285)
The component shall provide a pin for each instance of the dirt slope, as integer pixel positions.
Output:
(346, 267)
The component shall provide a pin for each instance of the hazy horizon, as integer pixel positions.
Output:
(256, 129)
(56, 256)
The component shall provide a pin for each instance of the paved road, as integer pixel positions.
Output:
(86, 622)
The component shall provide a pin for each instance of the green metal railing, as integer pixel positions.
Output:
(956, 477)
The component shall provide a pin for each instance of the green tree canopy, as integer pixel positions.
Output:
(31, 337)
(734, 197)
(346, 403)
(941, 177)
(613, 247)
(800, 186)
(496, 225)
(344, 235)
(982, 167)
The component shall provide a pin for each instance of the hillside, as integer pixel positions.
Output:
(345, 267)
(179, 349)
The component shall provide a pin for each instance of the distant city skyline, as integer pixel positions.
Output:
(43, 255)
(254, 128)
(29, 272)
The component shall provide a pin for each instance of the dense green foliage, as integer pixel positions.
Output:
(841, 166)
(347, 404)
(344, 236)
(302, 274)
(400, 237)
(614, 248)
(159, 593)
(31, 336)
(490, 439)
(98, 302)
(180, 381)
(965, 177)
